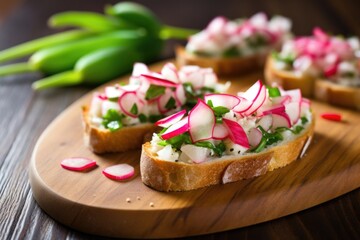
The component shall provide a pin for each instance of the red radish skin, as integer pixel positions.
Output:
(157, 80)
(281, 99)
(126, 102)
(77, 163)
(257, 102)
(243, 105)
(170, 120)
(119, 172)
(332, 116)
(270, 110)
(176, 129)
(236, 133)
(294, 94)
(220, 132)
(224, 100)
(201, 122)
(163, 99)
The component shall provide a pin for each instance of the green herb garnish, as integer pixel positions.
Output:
(170, 104)
(289, 60)
(231, 52)
(112, 120)
(304, 120)
(154, 91)
(273, 91)
(155, 118)
(134, 109)
(142, 118)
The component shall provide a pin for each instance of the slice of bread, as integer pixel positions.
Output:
(337, 94)
(287, 79)
(125, 139)
(179, 176)
(231, 66)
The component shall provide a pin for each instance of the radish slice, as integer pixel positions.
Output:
(180, 95)
(236, 133)
(243, 105)
(77, 163)
(138, 69)
(293, 111)
(270, 110)
(170, 120)
(201, 122)
(107, 105)
(193, 75)
(220, 132)
(96, 105)
(281, 99)
(129, 88)
(127, 101)
(157, 80)
(266, 122)
(225, 100)
(257, 101)
(217, 25)
(169, 72)
(254, 137)
(176, 129)
(195, 153)
(295, 95)
(304, 106)
(282, 120)
(119, 172)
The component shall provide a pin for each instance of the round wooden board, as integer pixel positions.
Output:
(92, 203)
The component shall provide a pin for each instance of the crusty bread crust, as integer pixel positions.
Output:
(231, 66)
(337, 94)
(321, 89)
(178, 176)
(124, 139)
(287, 79)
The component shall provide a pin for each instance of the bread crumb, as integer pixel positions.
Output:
(128, 200)
(151, 204)
(138, 198)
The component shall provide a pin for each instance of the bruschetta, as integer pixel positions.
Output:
(118, 119)
(235, 47)
(226, 138)
(322, 66)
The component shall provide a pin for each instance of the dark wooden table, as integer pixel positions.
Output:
(24, 114)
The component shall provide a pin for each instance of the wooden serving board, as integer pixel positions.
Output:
(92, 203)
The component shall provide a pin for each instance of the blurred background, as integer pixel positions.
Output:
(22, 20)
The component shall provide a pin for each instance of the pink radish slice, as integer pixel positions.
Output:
(217, 25)
(236, 133)
(304, 106)
(220, 132)
(201, 122)
(139, 68)
(281, 99)
(293, 111)
(156, 80)
(129, 88)
(280, 121)
(180, 95)
(127, 101)
(265, 122)
(169, 72)
(119, 172)
(330, 71)
(176, 129)
(295, 95)
(224, 100)
(257, 102)
(112, 92)
(320, 34)
(243, 105)
(254, 137)
(270, 110)
(170, 120)
(77, 163)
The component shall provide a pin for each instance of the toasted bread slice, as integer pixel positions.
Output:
(287, 79)
(104, 141)
(337, 94)
(230, 66)
(179, 176)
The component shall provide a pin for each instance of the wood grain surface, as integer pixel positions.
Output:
(25, 114)
(91, 203)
